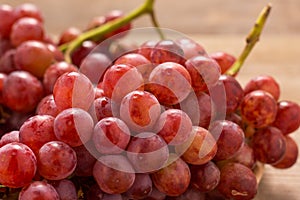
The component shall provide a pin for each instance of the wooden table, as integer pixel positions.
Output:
(276, 55)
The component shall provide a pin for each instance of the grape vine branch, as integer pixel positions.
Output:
(146, 8)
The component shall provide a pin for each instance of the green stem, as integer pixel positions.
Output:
(146, 8)
(251, 40)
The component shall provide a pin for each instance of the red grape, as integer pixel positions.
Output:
(114, 174)
(39, 190)
(237, 182)
(56, 160)
(147, 152)
(7, 62)
(170, 82)
(3, 77)
(36, 131)
(103, 107)
(269, 145)
(57, 53)
(85, 161)
(229, 137)
(224, 59)
(7, 19)
(290, 155)
(82, 52)
(167, 51)
(54, 71)
(174, 178)
(200, 148)
(12, 136)
(190, 48)
(121, 79)
(288, 116)
(5, 44)
(205, 177)
(73, 126)
(65, 189)
(156, 195)
(174, 126)
(244, 156)
(18, 165)
(258, 108)
(204, 72)
(68, 35)
(73, 89)
(47, 106)
(111, 135)
(22, 91)
(146, 48)
(266, 83)
(28, 10)
(140, 110)
(25, 29)
(141, 187)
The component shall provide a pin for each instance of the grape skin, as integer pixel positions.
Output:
(39, 190)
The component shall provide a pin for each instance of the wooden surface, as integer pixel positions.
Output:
(277, 56)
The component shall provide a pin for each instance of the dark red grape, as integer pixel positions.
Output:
(205, 177)
(141, 187)
(224, 59)
(190, 194)
(174, 178)
(288, 116)
(147, 152)
(5, 44)
(68, 35)
(39, 190)
(82, 51)
(56, 160)
(244, 156)
(269, 145)
(7, 62)
(22, 91)
(18, 165)
(114, 174)
(258, 108)
(65, 189)
(237, 182)
(85, 160)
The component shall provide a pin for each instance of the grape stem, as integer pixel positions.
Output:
(251, 40)
(146, 8)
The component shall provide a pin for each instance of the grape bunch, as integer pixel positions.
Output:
(158, 120)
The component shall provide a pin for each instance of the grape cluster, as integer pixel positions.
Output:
(161, 120)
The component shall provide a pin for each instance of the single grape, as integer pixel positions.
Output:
(229, 136)
(170, 82)
(94, 66)
(190, 48)
(22, 91)
(224, 59)
(47, 106)
(121, 79)
(288, 116)
(25, 29)
(258, 108)
(54, 71)
(111, 135)
(237, 182)
(146, 48)
(204, 72)
(156, 194)
(5, 44)
(147, 152)
(263, 82)
(18, 165)
(73, 126)
(85, 160)
(39, 190)
(290, 155)
(103, 107)
(140, 110)
(73, 89)
(193, 106)
(9, 137)
(167, 51)
(7, 19)
(7, 62)
(244, 156)
(141, 187)
(114, 174)
(269, 145)
(28, 10)
(174, 178)
(56, 160)
(57, 53)
(82, 51)
(174, 126)
(205, 177)
(236, 118)
(68, 35)
(65, 189)
(36, 131)
(200, 148)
